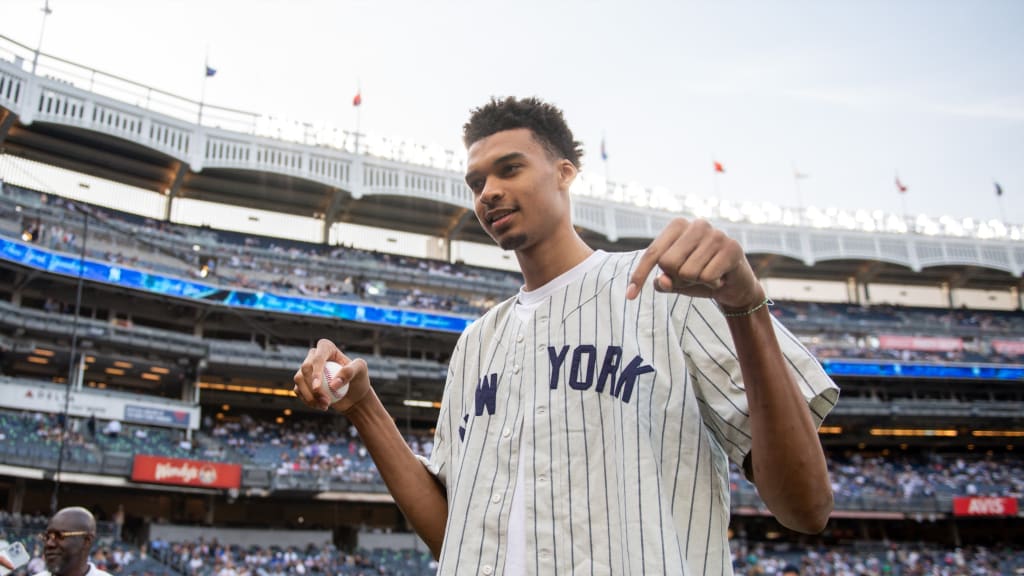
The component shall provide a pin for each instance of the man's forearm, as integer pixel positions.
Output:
(416, 491)
(788, 463)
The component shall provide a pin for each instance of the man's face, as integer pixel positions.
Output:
(64, 555)
(520, 193)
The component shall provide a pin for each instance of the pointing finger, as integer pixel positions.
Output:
(649, 259)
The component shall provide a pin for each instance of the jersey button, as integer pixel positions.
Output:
(519, 338)
(506, 432)
(542, 479)
(541, 410)
(496, 498)
(487, 570)
(515, 369)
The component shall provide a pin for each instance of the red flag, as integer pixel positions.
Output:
(900, 186)
(719, 167)
(357, 100)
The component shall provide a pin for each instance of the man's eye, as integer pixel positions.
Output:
(511, 169)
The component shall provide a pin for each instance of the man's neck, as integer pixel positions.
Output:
(544, 263)
(76, 571)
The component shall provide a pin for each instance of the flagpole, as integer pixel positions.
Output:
(906, 213)
(1001, 215)
(718, 195)
(607, 171)
(206, 76)
(42, 30)
(359, 111)
(799, 196)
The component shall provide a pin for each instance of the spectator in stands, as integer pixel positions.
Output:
(790, 570)
(112, 429)
(68, 540)
(522, 161)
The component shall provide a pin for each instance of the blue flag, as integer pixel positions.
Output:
(604, 151)
(210, 71)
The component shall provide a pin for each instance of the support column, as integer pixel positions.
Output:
(331, 214)
(852, 290)
(173, 187)
(6, 122)
(376, 343)
(211, 503)
(17, 497)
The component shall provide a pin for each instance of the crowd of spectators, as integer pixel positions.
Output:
(339, 272)
(252, 262)
(211, 558)
(321, 450)
(859, 478)
(307, 447)
(878, 559)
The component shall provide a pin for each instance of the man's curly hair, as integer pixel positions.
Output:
(543, 119)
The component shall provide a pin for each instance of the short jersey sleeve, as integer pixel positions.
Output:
(718, 382)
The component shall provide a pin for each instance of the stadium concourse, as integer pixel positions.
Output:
(178, 343)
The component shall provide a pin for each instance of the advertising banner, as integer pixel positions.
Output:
(181, 472)
(984, 506)
(1009, 347)
(922, 343)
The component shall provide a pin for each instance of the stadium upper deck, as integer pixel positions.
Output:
(96, 123)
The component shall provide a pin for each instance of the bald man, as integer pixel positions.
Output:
(68, 540)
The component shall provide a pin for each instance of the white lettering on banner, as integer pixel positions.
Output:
(185, 473)
(986, 506)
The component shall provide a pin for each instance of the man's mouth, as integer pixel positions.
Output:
(497, 218)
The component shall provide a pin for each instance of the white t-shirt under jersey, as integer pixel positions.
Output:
(526, 303)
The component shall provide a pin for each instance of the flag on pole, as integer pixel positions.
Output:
(719, 168)
(604, 151)
(901, 186)
(210, 71)
(999, 189)
(357, 100)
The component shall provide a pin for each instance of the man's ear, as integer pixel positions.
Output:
(566, 174)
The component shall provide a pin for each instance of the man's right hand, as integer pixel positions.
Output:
(309, 379)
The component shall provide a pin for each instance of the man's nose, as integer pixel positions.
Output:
(493, 191)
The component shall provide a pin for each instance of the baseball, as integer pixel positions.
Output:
(330, 370)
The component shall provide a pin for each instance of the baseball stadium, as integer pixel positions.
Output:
(167, 264)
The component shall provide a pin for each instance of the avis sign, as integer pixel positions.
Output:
(181, 472)
(984, 506)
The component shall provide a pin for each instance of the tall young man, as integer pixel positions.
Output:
(587, 423)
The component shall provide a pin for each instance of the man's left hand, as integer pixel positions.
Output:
(699, 260)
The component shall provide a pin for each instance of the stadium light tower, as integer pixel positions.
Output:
(39, 45)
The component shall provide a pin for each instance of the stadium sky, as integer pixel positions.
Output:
(847, 93)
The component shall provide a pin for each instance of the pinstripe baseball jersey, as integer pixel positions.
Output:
(623, 413)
